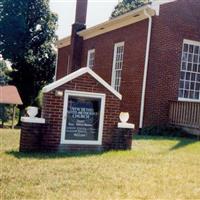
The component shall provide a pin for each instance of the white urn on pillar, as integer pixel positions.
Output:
(32, 111)
(124, 117)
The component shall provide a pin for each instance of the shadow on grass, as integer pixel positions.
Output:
(182, 142)
(48, 155)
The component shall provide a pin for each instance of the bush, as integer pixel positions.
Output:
(165, 130)
(5, 113)
(38, 100)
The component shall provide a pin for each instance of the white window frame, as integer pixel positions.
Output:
(90, 52)
(195, 43)
(119, 44)
(100, 96)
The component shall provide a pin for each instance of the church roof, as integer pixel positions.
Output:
(115, 23)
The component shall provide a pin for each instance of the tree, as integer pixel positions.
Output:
(126, 6)
(4, 72)
(5, 110)
(27, 38)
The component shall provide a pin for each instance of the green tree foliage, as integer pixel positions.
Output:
(27, 38)
(5, 110)
(5, 113)
(126, 6)
(4, 72)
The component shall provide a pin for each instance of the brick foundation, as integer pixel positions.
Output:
(80, 148)
(32, 136)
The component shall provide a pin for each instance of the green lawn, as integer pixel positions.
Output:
(156, 168)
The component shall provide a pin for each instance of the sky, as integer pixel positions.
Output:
(98, 11)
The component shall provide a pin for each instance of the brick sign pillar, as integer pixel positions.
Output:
(31, 133)
(123, 134)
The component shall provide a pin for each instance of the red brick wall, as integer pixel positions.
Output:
(53, 109)
(62, 64)
(177, 21)
(134, 54)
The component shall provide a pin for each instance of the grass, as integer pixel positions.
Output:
(156, 168)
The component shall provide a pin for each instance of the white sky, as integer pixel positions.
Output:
(98, 11)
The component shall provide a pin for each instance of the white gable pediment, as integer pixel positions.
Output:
(76, 74)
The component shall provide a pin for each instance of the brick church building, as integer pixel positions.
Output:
(150, 55)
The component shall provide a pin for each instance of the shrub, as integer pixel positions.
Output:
(165, 130)
(5, 113)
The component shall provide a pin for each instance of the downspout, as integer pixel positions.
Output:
(145, 70)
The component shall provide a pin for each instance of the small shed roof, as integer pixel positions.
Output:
(9, 95)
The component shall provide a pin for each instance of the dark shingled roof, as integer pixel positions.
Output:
(9, 95)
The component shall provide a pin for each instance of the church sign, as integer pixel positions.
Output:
(83, 116)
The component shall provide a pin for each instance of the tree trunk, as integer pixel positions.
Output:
(13, 117)
(21, 114)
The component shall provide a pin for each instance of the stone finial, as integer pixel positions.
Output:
(32, 111)
(124, 117)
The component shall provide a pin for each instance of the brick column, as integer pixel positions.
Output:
(122, 139)
(31, 136)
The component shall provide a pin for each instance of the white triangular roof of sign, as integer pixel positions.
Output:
(76, 74)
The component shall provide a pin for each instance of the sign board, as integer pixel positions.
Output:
(83, 117)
